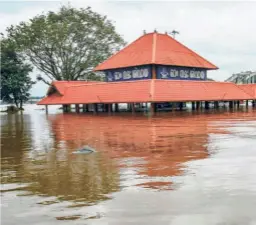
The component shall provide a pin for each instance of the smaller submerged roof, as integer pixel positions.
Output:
(148, 91)
(155, 48)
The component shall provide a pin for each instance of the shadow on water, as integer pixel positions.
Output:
(138, 152)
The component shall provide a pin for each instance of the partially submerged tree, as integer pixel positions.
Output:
(15, 79)
(68, 44)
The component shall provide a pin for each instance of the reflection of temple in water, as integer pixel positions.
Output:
(163, 143)
(162, 146)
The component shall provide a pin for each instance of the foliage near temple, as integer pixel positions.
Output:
(68, 44)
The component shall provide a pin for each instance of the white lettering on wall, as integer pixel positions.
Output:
(117, 75)
(174, 73)
(167, 72)
(128, 74)
(135, 73)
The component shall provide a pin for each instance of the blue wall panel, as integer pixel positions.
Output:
(180, 73)
(162, 72)
(131, 73)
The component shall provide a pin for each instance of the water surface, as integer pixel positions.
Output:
(174, 168)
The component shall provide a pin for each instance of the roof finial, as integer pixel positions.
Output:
(174, 32)
(155, 31)
(144, 32)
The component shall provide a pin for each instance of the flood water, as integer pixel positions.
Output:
(174, 168)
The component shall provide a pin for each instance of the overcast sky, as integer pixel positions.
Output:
(222, 32)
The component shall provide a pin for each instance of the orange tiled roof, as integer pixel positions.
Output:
(249, 88)
(148, 91)
(155, 48)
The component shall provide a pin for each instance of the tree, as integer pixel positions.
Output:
(15, 80)
(68, 44)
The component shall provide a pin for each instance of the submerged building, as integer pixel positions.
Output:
(247, 77)
(153, 69)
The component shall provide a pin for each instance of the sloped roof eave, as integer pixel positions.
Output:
(137, 65)
(149, 91)
(149, 50)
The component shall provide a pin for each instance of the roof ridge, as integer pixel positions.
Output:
(152, 90)
(153, 59)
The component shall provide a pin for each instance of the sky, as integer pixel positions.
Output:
(222, 32)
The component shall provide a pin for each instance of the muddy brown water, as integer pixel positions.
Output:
(174, 168)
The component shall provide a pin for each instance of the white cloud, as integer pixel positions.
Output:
(222, 32)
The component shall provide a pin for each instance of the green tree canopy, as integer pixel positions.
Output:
(68, 44)
(15, 79)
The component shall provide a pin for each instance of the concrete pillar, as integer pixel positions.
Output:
(201, 105)
(247, 104)
(85, 108)
(105, 108)
(173, 106)
(238, 104)
(193, 106)
(180, 106)
(198, 105)
(109, 106)
(129, 107)
(95, 108)
(231, 104)
(216, 104)
(132, 108)
(46, 109)
(77, 108)
(66, 108)
(206, 105)
(116, 107)
(153, 108)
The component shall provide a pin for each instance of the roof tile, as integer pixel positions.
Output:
(249, 88)
(155, 48)
(148, 91)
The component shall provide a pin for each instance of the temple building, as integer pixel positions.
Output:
(155, 56)
(153, 69)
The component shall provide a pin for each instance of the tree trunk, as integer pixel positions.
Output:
(21, 104)
(16, 102)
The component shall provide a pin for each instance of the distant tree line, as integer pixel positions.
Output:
(36, 97)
